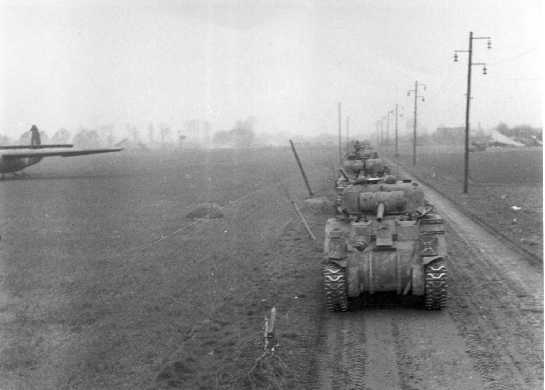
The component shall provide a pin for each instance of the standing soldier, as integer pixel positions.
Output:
(34, 136)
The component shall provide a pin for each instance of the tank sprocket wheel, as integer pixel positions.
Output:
(435, 294)
(335, 287)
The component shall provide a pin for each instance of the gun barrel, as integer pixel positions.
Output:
(380, 211)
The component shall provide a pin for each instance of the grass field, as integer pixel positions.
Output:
(105, 284)
(499, 179)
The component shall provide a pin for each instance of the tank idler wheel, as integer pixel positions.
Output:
(335, 287)
(435, 295)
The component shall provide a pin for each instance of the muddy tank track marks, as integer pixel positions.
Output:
(435, 296)
(335, 287)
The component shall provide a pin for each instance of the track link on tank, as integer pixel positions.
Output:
(435, 294)
(335, 287)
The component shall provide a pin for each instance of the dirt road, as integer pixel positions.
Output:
(490, 336)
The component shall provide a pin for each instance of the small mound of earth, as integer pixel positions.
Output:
(319, 204)
(206, 210)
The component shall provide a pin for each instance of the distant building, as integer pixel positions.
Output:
(449, 135)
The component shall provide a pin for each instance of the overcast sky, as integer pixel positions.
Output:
(86, 63)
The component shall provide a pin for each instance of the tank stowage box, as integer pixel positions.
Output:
(385, 239)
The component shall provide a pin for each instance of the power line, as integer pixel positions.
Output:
(516, 56)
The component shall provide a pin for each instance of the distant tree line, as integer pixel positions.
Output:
(242, 135)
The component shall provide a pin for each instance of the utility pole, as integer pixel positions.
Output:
(414, 123)
(388, 127)
(468, 103)
(416, 97)
(382, 130)
(468, 98)
(396, 153)
(347, 134)
(340, 135)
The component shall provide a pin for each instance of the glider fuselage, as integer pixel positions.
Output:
(16, 164)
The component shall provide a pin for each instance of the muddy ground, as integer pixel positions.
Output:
(105, 284)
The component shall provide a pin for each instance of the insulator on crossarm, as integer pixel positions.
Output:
(484, 70)
(455, 57)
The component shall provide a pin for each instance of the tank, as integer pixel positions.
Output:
(385, 238)
(362, 166)
(362, 162)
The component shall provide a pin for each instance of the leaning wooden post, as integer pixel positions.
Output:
(301, 168)
(270, 335)
(305, 223)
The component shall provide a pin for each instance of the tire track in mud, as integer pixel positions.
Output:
(393, 348)
(343, 357)
(430, 352)
(504, 338)
(382, 367)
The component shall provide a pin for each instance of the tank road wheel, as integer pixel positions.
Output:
(435, 294)
(335, 287)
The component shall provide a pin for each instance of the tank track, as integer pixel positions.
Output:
(435, 294)
(335, 287)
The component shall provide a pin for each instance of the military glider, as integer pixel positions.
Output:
(14, 158)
